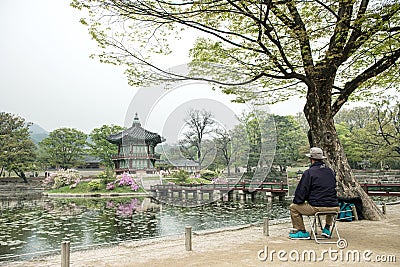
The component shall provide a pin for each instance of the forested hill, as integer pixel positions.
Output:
(37, 133)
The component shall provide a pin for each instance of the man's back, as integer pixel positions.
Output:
(317, 186)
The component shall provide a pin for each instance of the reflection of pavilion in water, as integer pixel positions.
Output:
(136, 149)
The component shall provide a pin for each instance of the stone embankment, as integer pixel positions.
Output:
(15, 188)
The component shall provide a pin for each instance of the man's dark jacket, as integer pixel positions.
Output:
(317, 186)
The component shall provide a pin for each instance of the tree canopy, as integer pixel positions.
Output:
(290, 140)
(371, 134)
(100, 147)
(17, 150)
(64, 148)
(328, 51)
(283, 45)
(223, 144)
(194, 142)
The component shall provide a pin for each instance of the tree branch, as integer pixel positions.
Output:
(380, 66)
(339, 36)
(264, 28)
(359, 37)
(299, 29)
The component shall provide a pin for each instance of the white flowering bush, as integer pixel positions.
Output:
(62, 178)
(219, 180)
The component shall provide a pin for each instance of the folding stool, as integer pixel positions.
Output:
(314, 219)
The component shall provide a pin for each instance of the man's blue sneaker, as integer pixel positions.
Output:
(299, 235)
(326, 233)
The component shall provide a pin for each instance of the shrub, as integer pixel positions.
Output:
(197, 181)
(207, 174)
(110, 186)
(126, 179)
(106, 176)
(95, 184)
(181, 176)
(219, 180)
(62, 178)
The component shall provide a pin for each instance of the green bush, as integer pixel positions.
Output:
(180, 176)
(208, 175)
(95, 184)
(106, 176)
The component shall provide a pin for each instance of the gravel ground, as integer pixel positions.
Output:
(246, 246)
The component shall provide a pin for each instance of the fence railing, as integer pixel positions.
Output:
(380, 189)
(265, 186)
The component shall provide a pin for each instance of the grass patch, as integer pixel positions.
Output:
(197, 181)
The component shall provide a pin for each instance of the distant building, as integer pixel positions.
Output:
(181, 164)
(90, 163)
(135, 149)
(185, 164)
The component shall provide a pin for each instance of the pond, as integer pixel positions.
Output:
(31, 226)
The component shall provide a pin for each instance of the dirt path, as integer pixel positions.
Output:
(374, 240)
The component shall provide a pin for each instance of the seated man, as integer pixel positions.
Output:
(315, 192)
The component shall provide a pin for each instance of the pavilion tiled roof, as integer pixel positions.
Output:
(135, 134)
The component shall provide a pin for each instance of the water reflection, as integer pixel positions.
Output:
(40, 225)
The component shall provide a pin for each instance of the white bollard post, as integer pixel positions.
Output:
(266, 226)
(65, 250)
(188, 238)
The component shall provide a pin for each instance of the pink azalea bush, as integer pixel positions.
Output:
(110, 186)
(124, 179)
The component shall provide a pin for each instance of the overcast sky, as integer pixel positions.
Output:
(48, 78)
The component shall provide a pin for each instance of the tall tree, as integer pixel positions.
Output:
(17, 151)
(302, 122)
(371, 133)
(240, 146)
(388, 122)
(223, 144)
(327, 51)
(290, 139)
(100, 147)
(253, 131)
(355, 118)
(380, 137)
(198, 125)
(355, 148)
(254, 143)
(64, 147)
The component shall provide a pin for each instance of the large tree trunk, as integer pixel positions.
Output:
(22, 175)
(323, 134)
